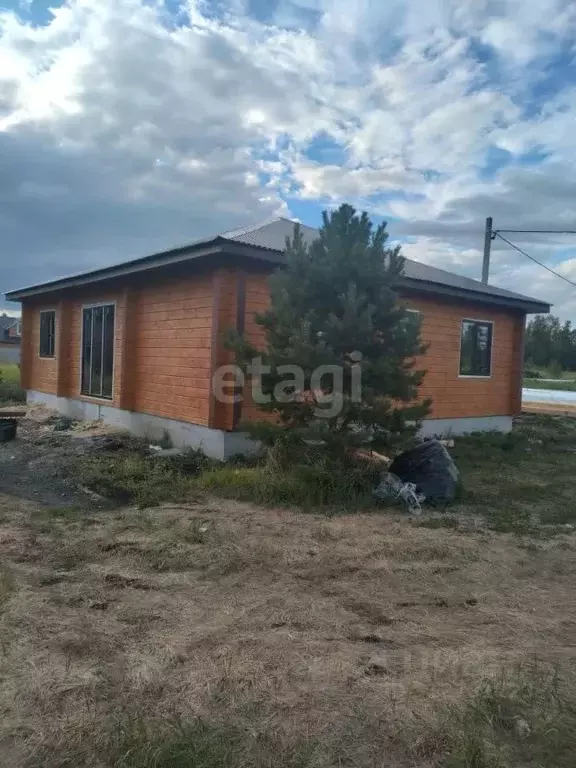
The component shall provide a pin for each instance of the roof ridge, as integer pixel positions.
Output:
(232, 233)
(297, 221)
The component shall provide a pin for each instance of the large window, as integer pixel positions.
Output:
(476, 348)
(47, 333)
(98, 350)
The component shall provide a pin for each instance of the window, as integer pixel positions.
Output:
(412, 321)
(415, 316)
(98, 351)
(476, 348)
(47, 333)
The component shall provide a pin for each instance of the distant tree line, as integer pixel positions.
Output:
(550, 344)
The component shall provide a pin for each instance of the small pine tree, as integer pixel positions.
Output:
(335, 304)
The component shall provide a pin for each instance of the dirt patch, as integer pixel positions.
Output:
(38, 464)
(349, 634)
(552, 409)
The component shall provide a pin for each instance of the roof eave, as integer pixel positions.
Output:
(212, 247)
(158, 260)
(527, 305)
(220, 245)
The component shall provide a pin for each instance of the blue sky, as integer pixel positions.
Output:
(128, 126)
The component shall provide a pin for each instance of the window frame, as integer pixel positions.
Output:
(95, 305)
(40, 355)
(491, 323)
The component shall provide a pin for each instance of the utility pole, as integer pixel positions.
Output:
(487, 246)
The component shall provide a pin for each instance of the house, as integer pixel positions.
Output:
(10, 336)
(137, 344)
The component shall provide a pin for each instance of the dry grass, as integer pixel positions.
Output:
(219, 634)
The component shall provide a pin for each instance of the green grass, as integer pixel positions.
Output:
(305, 486)
(10, 372)
(521, 718)
(200, 745)
(135, 478)
(567, 385)
(10, 389)
(522, 482)
(7, 586)
(194, 745)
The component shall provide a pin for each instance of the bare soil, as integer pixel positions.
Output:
(38, 464)
(552, 409)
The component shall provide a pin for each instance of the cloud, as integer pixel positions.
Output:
(128, 126)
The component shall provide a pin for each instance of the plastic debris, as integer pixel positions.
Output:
(391, 487)
(431, 469)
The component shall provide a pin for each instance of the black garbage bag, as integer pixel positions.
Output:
(431, 468)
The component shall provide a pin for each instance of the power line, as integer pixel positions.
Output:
(496, 233)
(537, 231)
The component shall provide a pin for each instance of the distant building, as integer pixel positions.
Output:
(10, 338)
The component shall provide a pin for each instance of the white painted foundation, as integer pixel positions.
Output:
(217, 443)
(463, 426)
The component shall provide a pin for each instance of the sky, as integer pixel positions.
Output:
(129, 126)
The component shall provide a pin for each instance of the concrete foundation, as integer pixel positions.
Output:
(219, 444)
(445, 427)
(215, 443)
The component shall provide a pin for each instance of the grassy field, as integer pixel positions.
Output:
(520, 482)
(550, 373)
(10, 372)
(10, 390)
(217, 633)
(567, 385)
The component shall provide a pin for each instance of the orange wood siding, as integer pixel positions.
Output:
(452, 395)
(168, 341)
(226, 291)
(39, 373)
(455, 396)
(172, 364)
(162, 349)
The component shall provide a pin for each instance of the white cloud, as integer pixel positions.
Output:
(124, 128)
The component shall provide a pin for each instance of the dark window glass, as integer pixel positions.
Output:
(96, 372)
(98, 351)
(47, 333)
(86, 349)
(476, 348)
(108, 352)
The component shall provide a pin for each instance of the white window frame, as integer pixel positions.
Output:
(484, 322)
(104, 398)
(44, 312)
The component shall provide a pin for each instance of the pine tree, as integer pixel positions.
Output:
(335, 304)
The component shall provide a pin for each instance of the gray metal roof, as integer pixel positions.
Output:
(272, 235)
(266, 241)
(6, 322)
